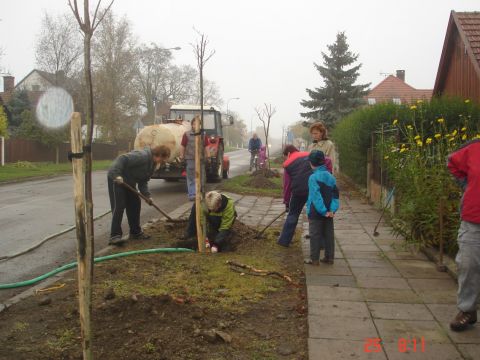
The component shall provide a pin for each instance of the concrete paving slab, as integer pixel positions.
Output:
(331, 349)
(470, 351)
(362, 247)
(433, 284)
(398, 311)
(344, 281)
(370, 263)
(326, 293)
(382, 282)
(437, 296)
(334, 308)
(405, 255)
(392, 330)
(363, 254)
(432, 352)
(419, 269)
(376, 272)
(321, 327)
(327, 270)
(405, 296)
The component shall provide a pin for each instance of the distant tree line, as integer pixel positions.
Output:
(131, 79)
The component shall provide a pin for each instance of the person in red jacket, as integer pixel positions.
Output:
(464, 164)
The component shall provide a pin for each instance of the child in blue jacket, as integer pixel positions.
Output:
(322, 204)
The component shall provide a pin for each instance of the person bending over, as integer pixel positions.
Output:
(135, 169)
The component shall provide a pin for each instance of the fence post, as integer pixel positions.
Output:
(2, 149)
(84, 261)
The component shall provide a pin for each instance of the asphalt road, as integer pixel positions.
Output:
(33, 210)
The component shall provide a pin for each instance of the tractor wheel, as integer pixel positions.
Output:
(225, 174)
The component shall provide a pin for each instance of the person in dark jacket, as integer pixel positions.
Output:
(135, 169)
(295, 190)
(464, 164)
(220, 219)
(254, 145)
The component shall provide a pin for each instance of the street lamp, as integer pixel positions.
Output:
(234, 98)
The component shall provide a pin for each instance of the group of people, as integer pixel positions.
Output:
(308, 181)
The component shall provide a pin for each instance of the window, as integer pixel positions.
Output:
(371, 101)
(397, 101)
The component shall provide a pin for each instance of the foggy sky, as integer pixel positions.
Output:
(265, 49)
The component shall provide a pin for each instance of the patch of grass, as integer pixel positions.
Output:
(64, 340)
(25, 169)
(149, 348)
(204, 278)
(238, 185)
(20, 326)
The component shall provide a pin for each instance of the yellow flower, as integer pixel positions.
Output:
(451, 139)
(455, 132)
(386, 157)
(428, 141)
(419, 143)
(464, 137)
(403, 150)
(467, 101)
(409, 127)
(419, 101)
(413, 107)
(403, 145)
(417, 137)
(464, 129)
(395, 122)
(441, 120)
(478, 136)
(438, 136)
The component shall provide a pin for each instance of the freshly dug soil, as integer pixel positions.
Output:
(242, 235)
(267, 173)
(166, 306)
(259, 181)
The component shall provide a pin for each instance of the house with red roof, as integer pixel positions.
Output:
(395, 89)
(459, 69)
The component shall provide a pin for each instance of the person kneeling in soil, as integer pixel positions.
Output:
(464, 164)
(220, 219)
(322, 204)
(134, 168)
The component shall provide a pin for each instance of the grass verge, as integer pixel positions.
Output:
(238, 184)
(24, 169)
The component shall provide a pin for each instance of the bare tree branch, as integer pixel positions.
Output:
(96, 22)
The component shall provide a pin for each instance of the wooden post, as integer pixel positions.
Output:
(198, 185)
(84, 250)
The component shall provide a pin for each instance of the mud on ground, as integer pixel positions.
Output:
(172, 306)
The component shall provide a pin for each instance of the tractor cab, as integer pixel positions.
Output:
(212, 118)
(217, 164)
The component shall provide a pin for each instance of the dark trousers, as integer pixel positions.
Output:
(219, 238)
(122, 200)
(321, 235)
(297, 202)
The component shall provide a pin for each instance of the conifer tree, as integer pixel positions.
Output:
(339, 95)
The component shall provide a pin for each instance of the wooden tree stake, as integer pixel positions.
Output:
(198, 185)
(84, 248)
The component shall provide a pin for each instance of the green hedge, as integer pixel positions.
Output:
(352, 135)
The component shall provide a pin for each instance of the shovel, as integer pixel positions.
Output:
(270, 224)
(147, 200)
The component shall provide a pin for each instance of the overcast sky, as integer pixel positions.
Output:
(265, 49)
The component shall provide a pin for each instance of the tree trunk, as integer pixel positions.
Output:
(89, 250)
(57, 154)
(198, 188)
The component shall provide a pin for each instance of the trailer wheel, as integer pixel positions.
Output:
(225, 174)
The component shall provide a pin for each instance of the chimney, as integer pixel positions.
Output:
(401, 75)
(60, 79)
(8, 83)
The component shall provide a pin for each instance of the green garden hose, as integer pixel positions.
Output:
(96, 260)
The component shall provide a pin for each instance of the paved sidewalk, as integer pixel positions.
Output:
(377, 290)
